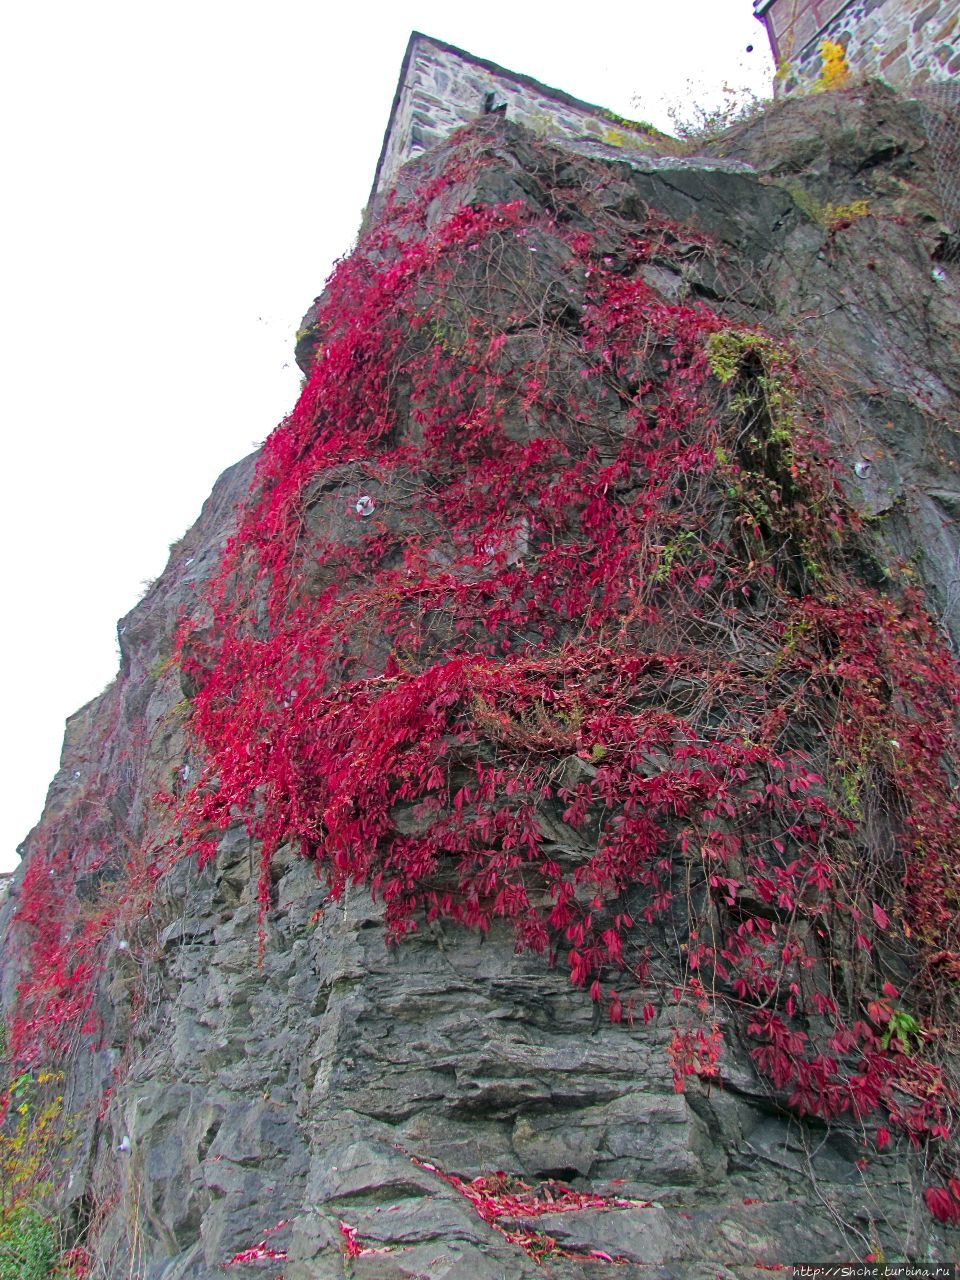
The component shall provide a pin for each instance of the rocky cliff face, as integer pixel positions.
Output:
(575, 611)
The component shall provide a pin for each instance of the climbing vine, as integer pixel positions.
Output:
(547, 610)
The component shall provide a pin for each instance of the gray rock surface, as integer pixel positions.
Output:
(305, 1089)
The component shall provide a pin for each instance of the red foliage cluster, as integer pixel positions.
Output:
(55, 996)
(75, 1264)
(944, 1202)
(261, 1251)
(352, 1246)
(532, 617)
(536, 615)
(506, 1203)
(61, 930)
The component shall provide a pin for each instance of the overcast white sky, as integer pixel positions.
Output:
(178, 180)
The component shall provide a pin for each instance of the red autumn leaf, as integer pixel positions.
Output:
(941, 1204)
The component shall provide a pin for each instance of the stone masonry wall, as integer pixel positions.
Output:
(442, 88)
(908, 43)
(794, 24)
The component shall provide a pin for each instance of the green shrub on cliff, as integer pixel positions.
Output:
(28, 1244)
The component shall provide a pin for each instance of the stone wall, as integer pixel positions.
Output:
(794, 24)
(906, 42)
(442, 87)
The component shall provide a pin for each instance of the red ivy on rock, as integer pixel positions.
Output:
(547, 608)
(507, 1204)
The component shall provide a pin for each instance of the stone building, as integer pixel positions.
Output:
(906, 42)
(442, 87)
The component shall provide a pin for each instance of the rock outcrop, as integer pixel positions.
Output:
(261, 1081)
